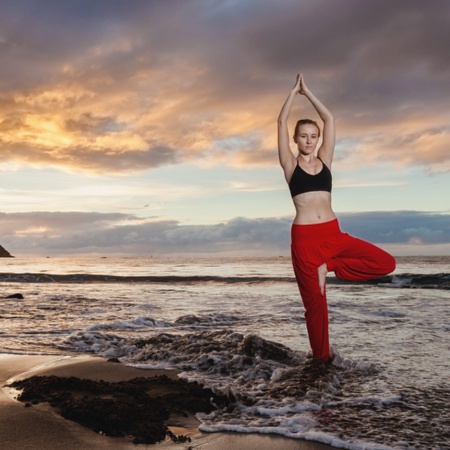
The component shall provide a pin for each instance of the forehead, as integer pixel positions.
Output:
(307, 128)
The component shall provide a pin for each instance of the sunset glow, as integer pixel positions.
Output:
(155, 118)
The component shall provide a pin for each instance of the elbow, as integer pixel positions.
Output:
(281, 122)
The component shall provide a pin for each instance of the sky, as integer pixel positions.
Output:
(148, 127)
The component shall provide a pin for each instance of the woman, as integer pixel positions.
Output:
(318, 245)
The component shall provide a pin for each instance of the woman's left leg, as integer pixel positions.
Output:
(356, 260)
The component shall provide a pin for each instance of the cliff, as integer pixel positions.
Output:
(4, 253)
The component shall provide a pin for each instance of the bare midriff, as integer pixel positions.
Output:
(313, 207)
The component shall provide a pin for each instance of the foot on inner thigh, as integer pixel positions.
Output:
(322, 272)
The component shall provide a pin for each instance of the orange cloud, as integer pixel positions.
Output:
(398, 144)
(129, 89)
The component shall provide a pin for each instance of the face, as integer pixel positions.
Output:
(307, 139)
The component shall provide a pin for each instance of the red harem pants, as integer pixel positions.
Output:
(348, 257)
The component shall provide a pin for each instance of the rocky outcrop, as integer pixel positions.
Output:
(4, 253)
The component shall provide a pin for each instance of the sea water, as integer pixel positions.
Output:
(238, 327)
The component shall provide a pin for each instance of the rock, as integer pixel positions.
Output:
(19, 296)
(4, 253)
(138, 409)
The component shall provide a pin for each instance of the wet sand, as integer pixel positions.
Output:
(28, 426)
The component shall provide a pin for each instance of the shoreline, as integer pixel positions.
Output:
(40, 426)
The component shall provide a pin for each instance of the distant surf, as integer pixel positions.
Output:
(406, 280)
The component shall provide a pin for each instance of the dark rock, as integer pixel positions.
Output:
(138, 408)
(19, 296)
(4, 253)
(314, 374)
(254, 345)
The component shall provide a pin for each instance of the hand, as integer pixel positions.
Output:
(302, 88)
(296, 87)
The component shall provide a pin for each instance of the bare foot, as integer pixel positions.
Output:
(322, 272)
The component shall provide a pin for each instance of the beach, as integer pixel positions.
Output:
(236, 327)
(40, 426)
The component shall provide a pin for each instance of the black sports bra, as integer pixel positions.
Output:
(302, 181)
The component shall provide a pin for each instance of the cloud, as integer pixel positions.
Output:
(72, 232)
(48, 233)
(398, 227)
(112, 87)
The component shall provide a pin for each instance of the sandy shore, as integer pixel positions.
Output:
(42, 427)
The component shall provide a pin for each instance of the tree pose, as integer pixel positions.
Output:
(318, 246)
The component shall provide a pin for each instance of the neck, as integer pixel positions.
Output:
(308, 158)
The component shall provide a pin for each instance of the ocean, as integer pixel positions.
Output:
(237, 326)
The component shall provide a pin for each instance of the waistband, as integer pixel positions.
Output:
(314, 231)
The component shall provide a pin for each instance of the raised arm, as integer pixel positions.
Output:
(287, 159)
(326, 150)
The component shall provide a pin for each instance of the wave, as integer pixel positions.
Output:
(94, 278)
(348, 404)
(405, 280)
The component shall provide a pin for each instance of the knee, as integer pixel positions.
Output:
(391, 263)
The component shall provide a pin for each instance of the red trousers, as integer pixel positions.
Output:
(348, 257)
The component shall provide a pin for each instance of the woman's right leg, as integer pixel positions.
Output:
(314, 302)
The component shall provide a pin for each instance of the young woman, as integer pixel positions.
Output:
(318, 245)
